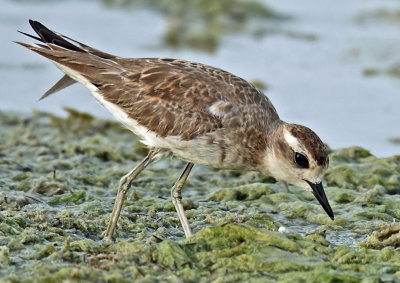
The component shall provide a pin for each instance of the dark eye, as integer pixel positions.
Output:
(301, 160)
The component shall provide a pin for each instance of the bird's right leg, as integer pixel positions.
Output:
(177, 199)
(124, 185)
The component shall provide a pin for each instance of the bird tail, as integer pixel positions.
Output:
(65, 52)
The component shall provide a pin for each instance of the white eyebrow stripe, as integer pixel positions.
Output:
(292, 141)
(295, 143)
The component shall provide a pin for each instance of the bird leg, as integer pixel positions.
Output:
(177, 199)
(123, 187)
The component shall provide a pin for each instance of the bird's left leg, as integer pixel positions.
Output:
(123, 188)
(177, 199)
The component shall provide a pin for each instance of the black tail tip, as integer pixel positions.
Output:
(37, 26)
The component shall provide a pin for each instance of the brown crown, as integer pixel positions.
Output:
(312, 143)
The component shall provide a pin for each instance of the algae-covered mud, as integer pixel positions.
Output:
(58, 178)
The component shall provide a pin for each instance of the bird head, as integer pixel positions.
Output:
(298, 156)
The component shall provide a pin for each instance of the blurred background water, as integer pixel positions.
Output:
(331, 65)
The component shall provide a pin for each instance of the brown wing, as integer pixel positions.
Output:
(173, 97)
(198, 82)
(161, 104)
(167, 96)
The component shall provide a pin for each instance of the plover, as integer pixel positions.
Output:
(197, 113)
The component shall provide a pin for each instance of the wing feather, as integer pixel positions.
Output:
(167, 96)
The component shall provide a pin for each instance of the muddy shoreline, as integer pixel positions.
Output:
(58, 179)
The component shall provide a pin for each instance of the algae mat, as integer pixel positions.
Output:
(58, 179)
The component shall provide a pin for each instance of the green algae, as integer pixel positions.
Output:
(199, 24)
(392, 70)
(388, 236)
(58, 181)
(77, 196)
(394, 140)
(362, 170)
(381, 15)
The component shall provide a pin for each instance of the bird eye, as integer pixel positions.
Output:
(301, 160)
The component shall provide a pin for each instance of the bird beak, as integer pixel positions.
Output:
(319, 193)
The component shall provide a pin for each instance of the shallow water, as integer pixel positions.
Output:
(313, 64)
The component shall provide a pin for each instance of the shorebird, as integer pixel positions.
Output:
(197, 113)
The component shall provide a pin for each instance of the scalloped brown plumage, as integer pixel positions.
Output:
(199, 113)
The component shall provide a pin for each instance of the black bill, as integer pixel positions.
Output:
(319, 193)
